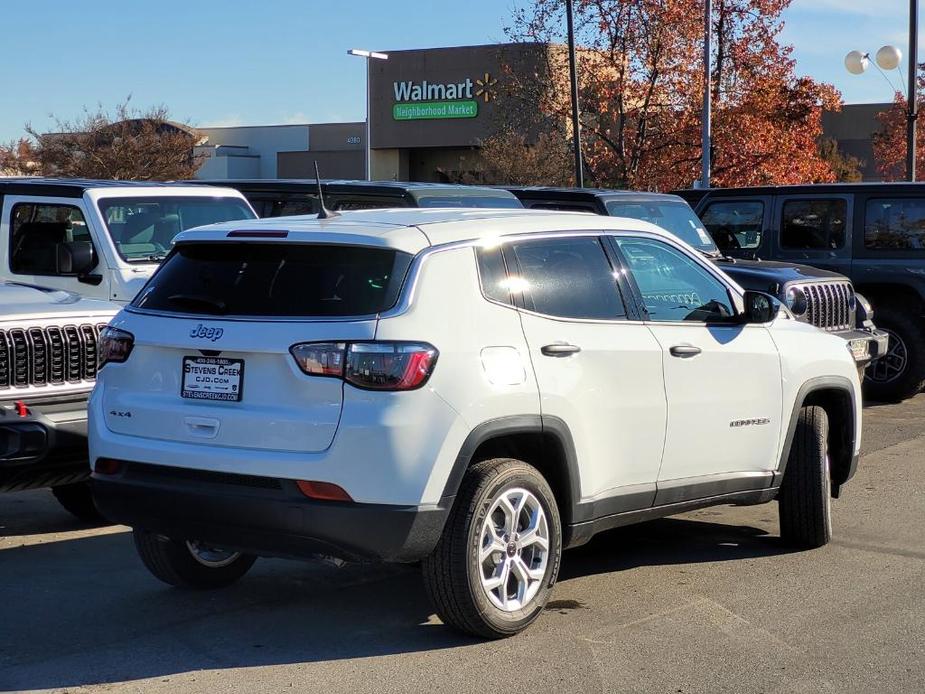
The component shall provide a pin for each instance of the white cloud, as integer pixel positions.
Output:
(298, 118)
(228, 121)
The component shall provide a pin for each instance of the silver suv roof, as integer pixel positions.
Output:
(413, 229)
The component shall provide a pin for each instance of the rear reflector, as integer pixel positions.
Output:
(323, 491)
(107, 466)
(257, 234)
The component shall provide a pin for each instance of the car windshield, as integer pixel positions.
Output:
(143, 228)
(675, 217)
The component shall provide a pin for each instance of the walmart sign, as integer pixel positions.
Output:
(430, 101)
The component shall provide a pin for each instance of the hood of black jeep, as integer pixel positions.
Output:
(770, 275)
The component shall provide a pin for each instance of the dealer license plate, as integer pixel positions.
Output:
(212, 378)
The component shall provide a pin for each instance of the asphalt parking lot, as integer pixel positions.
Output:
(705, 602)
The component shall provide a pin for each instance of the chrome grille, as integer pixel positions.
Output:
(52, 355)
(828, 306)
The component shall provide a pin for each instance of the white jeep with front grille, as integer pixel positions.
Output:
(49, 356)
(475, 390)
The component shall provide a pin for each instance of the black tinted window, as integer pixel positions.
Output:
(561, 206)
(813, 224)
(735, 224)
(673, 286)
(492, 275)
(895, 224)
(282, 279)
(468, 201)
(569, 278)
(288, 208)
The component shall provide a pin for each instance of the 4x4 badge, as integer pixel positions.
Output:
(202, 332)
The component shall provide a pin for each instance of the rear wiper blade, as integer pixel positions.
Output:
(198, 300)
(157, 257)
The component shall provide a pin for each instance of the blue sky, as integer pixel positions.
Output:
(217, 62)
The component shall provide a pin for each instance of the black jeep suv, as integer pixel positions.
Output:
(821, 297)
(872, 232)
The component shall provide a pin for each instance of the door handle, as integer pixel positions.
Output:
(560, 349)
(684, 351)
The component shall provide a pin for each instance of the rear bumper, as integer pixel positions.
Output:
(264, 515)
(44, 445)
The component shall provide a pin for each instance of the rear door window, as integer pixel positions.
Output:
(567, 278)
(813, 224)
(735, 224)
(895, 224)
(281, 279)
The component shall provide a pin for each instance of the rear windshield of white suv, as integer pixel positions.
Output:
(275, 280)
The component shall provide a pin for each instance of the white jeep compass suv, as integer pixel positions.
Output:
(475, 390)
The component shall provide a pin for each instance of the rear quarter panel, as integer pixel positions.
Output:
(483, 371)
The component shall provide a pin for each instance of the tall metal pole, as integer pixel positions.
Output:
(706, 115)
(573, 77)
(368, 149)
(368, 55)
(911, 93)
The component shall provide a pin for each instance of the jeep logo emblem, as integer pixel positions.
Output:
(201, 332)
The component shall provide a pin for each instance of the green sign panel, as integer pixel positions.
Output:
(435, 110)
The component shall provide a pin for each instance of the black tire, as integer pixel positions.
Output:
(805, 497)
(453, 572)
(886, 380)
(172, 561)
(77, 499)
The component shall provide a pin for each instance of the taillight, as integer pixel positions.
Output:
(115, 345)
(382, 365)
(320, 358)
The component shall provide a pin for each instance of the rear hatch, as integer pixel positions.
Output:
(213, 329)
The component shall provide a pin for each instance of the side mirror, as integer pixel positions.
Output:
(759, 307)
(75, 257)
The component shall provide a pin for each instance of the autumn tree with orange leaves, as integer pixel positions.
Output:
(640, 82)
(890, 141)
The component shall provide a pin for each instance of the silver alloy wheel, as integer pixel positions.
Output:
(213, 557)
(892, 364)
(514, 549)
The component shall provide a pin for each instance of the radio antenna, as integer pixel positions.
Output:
(323, 212)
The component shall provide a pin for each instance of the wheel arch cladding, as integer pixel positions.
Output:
(837, 397)
(543, 442)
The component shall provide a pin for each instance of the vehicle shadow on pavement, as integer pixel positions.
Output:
(36, 512)
(669, 541)
(84, 611)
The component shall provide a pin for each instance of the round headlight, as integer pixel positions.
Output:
(796, 301)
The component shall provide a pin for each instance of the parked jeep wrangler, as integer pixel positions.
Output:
(872, 232)
(823, 298)
(287, 197)
(101, 239)
(49, 357)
